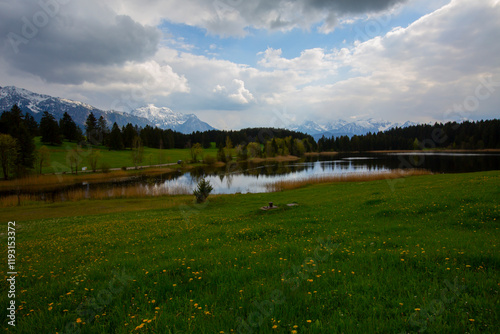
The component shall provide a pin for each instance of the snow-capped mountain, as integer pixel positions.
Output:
(344, 128)
(36, 104)
(165, 118)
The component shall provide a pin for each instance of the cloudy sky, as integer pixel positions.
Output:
(238, 63)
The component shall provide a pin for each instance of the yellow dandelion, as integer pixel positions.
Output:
(78, 320)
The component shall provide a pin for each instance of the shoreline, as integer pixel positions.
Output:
(486, 150)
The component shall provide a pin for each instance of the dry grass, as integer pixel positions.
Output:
(51, 182)
(315, 154)
(280, 158)
(351, 177)
(129, 191)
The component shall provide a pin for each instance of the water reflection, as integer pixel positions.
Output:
(252, 177)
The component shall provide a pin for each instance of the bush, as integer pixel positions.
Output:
(105, 167)
(124, 167)
(209, 160)
(202, 191)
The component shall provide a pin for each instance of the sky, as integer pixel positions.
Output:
(237, 63)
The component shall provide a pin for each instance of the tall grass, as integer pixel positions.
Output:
(51, 182)
(348, 177)
(128, 191)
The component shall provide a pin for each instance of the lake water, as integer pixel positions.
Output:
(246, 177)
(252, 178)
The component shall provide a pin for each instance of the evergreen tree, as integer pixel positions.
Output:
(31, 124)
(8, 154)
(49, 129)
(115, 141)
(128, 135)
(102, 128)
(13, 123)
(69, 129)
(91, 129)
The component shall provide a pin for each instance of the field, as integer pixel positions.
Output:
(59, 161)
(392, 256)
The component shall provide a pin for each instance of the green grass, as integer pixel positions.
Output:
(395, 256)
(114, 159)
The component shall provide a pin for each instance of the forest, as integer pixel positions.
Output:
(18, 130)
(468, 135)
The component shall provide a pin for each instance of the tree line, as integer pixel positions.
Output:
(468, 135)
(18, 155)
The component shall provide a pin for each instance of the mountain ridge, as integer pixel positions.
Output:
(36, 104)
(344, 128)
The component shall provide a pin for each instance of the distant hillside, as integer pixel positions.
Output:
(344, 128)
(36, 104)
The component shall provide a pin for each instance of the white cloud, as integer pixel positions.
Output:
(234, 17)
(414, 73)
(242, 95)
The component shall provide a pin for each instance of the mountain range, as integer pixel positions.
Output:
(36, 104)
(344, 128)
(165, 118)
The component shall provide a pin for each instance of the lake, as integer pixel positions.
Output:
(250, 177)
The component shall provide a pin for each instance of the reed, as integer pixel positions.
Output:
(350, 177)
(50, 182)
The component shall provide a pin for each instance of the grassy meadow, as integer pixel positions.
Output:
(59, 156)
(389, 256)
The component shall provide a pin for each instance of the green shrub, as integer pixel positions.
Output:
(105, 167)
(202, 191)
(209, 160)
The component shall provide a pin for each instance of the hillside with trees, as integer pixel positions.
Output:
(466, 136)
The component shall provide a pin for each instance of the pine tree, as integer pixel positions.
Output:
(49, 129)
(115, 138)
(91, 129)
(13, 123)
(69, 129)
(102, 128)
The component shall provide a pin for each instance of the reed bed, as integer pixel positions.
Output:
(349, 177)
(50, 182)
(129, 191)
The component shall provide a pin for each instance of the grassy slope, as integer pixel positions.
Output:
(114, 159)
(398, 253)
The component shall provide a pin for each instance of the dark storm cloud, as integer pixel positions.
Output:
(287, 14)
(351, 6)
(67, 42)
